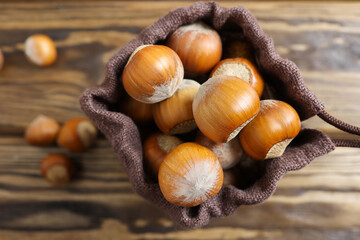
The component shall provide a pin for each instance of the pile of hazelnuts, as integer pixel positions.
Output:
(76, 135)
(226, 108)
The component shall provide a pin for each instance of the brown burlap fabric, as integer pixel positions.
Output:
(282, 75)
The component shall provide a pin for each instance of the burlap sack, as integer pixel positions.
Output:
(283, 77)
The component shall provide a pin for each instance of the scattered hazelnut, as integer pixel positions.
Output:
(40, 50)
(156, 147)
(241, 68)
(77, 134)
(152, 73)
(271, 131)
(42, 131)
(189, 175)
(174, 115)
(223, 106)
(57, 169)
(228, 154)
(198, 46)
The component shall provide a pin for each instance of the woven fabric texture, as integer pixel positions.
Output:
(281, 75)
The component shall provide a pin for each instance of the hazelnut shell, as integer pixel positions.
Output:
(241, 68)
(40, 50)
(174, 115)
(198, 46)
(42, 131)
(269, 133)
(156, 147)
(152, 73)
(57, 169)
(189, 175)
(77, 134)
(223, 106)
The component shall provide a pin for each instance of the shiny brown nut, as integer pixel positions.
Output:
(228, 154)
(40, 50)
(57, 169)
(241, 68)
(77, 135)
(174, 115)
(189, 175)
(223, 105)
(140, 112)
(42, 131)
(271, 131)
(152, 73)
(156, 147)
(240, 49)
(198, 46)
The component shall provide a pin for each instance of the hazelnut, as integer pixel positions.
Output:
(140, 112)
(42, 131)
(228, 154)
(271, 131)
(77, 135)
(156, 147)
(189, 175)
(240, 49)
(40, 50)
(241, 68)
(174, 115)
(57, 169)
(198, 46)
(223, 106)
(152, 73)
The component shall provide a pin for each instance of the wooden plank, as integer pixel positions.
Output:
(321, 39)
(320, 201)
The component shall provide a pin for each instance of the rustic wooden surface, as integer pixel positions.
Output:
(319, 202)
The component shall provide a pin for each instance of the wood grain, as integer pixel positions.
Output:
(321, 39)
(319, 202)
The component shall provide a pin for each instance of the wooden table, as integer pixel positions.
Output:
(322, 201)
